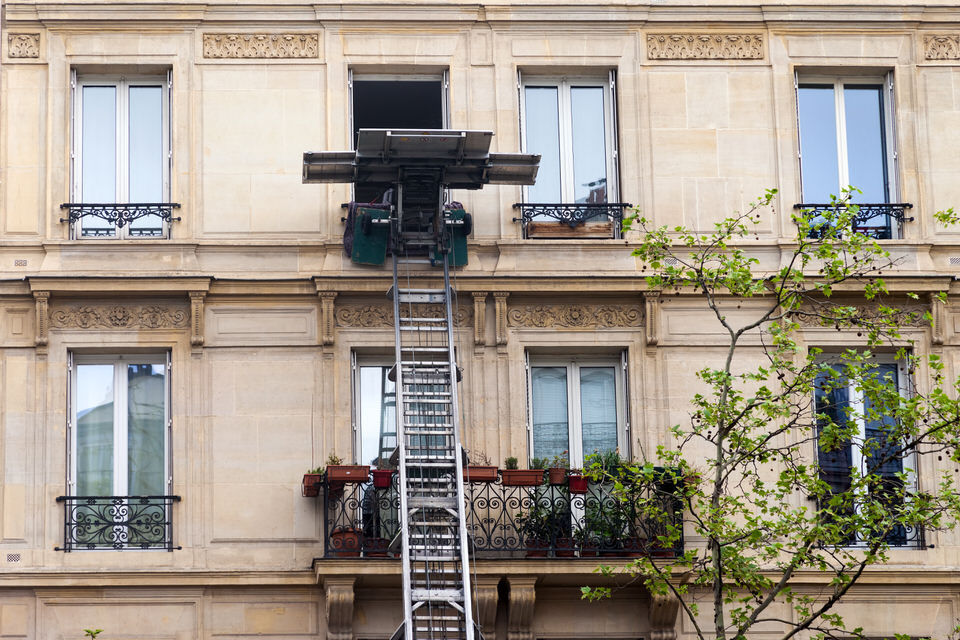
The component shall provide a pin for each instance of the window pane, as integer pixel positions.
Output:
(866, 153)
(832, 398)
(598, 408)
(377, 414)
(98, 170)
(589, 145)
(818, 143)
(146, 153)
(542, 120)
(146, 398)
(94, 405)
(550, 422)
(877, 423)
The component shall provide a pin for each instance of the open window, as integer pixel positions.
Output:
(395, 101)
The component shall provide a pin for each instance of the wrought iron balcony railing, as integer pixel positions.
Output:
(883, 221)
(121, 215)
(117, 522)
(538, 218)
(511, 522)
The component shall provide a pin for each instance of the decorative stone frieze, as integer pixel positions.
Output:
(23, 45)
(575, 316)
(261, 45)
(941, 47)
(120, 316)
(376, 316)
(908, 315)
(705, 46)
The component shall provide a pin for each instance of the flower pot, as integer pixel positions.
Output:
(376, 547)
(312, 482)
(522, 477)
(557, 475)
(566, 547)
(536, 548)
(348, 473)
(633, 547)
(478, 473)
(345, 542)
(578, 483)
(588, 550)
(382, 478)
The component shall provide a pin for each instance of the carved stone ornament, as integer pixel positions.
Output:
(705, 46)
(908, 315)
(23, 45)
(941, 47)
(376, 316)
(261, 45)
(117, 316)
(575, 316)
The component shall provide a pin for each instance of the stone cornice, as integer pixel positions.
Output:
(153, 285)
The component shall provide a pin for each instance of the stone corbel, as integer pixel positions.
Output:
(338, 594)
(522, 600)
(500, 300)
(196, 319)
(485, 605)
(663, 616)
(326, 316)
(939, 312)
(479, 318)
(42, 299)
(651, 317)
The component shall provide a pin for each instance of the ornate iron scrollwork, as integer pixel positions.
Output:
(121, 215)
(572, 215)
(117, 522)
(874, 220)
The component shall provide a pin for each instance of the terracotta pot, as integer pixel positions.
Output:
(348, 473)
(382, 478)
(578, 483)
(345, 543)
(312, 482)
(522, 477)
(633, 547)
(588, 551)
(536, 548)
(557, 475)
(478, 473)
(376, 547)
(566, 547)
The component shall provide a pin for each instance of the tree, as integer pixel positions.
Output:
(755, 467)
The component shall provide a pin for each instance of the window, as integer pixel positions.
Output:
(576, 406)
(121, 156)
(375, 412)
(385, 101)
(119, 452)
(839, 400)
(847, 139)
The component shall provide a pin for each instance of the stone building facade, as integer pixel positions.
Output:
(233, 328)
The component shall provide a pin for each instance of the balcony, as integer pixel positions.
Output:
(115, 217)
(511, 522)
(580, 220)
(117, 522)
(882, 221)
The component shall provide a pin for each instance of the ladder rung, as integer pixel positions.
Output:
(432, 502)
(437, 594)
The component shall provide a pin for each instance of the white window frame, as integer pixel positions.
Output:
(856, 404)
(575, 429)
(843, 160)
(358, 362)
(120, 426)
(123, 83)
(564, 83)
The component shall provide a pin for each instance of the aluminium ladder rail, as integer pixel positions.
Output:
(436, 571)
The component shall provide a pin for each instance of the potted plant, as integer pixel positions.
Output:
(312, 481)
(345, 542)
(577, 482)
(535, 528)
(557, 469)
(480, 469)
(514, 477)
(339, 472)
(383, 474)
(376, 547)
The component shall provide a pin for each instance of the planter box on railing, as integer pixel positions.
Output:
(348, 473)
(522, 477)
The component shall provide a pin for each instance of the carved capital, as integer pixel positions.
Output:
(522, 600)
(575, 316)
(42, 299)
(500, 302)
(23, 45)
(261, 45)
(663, 617)
(705, 46)
(941, 47)
(196, 318)
(485, 599)
(651, 309)
(338, 594)
(479, 318)
(327, 322)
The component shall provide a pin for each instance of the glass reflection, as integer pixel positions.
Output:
(95, 430)
(146, 153)
(818, 143)
(98, 170)
(598, 408)
(543, 136)
(589, 145)
(550, 422)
